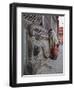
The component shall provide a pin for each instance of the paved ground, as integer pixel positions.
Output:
(54, 66)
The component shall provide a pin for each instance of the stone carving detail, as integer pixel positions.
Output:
(37, 41)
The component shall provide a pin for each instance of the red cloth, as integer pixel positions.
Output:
(54, 51)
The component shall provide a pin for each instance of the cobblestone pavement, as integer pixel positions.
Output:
(53, 66)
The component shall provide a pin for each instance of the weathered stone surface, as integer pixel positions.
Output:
(36, 60)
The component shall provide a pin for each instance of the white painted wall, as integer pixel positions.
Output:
(4, 43)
